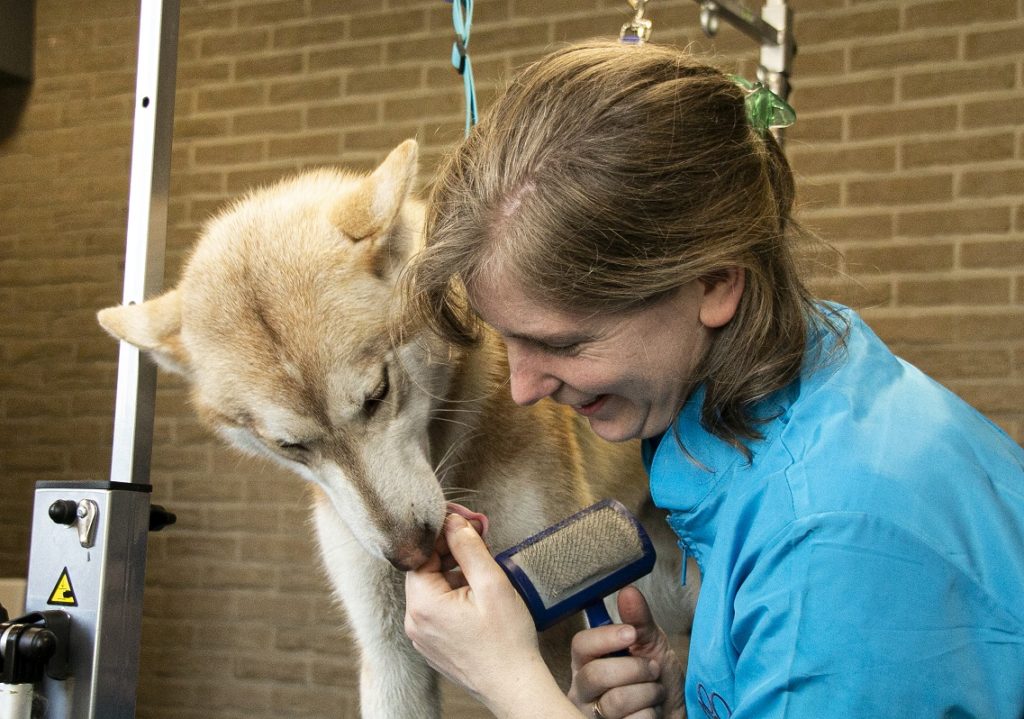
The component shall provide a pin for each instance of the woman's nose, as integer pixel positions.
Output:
(529, 381)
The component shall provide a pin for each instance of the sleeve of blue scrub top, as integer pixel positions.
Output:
(843, 615)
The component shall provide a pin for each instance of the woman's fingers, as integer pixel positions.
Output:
(643, 685)
(630, 683)
(652, 644)
(591, 644)
(633, 700)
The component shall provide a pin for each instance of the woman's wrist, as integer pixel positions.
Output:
(530, 692)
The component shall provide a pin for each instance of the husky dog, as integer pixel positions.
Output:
(280, 323)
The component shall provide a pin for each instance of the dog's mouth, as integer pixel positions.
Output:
(412, 553)
(479, 521)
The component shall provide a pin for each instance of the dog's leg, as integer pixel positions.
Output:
(394, 680)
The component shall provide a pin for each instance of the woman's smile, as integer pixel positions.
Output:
(593, 407)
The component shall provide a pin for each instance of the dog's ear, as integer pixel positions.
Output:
(371, 206)
(153, 326)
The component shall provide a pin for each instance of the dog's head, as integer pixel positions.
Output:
(280, 324)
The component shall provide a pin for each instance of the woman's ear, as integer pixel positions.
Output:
(722, 293)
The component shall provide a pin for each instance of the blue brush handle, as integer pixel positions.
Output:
(597, 616)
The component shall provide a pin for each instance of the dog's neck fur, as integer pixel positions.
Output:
(472, 403)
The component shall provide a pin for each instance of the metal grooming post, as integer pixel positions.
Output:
(147, 231)
(773, 30)
(88, 551)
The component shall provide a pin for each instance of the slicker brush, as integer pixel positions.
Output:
(575, 564)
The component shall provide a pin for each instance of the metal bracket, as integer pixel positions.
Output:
(88, 511)
(773, 31)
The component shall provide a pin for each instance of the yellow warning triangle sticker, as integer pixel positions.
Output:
(63, 593)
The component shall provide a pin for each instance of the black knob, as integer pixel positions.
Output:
(64, 511)
(38, 643)
(160, 518)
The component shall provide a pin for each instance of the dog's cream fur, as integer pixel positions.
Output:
(280, 323)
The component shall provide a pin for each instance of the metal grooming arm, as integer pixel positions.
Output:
(773, 30)
(88, 546)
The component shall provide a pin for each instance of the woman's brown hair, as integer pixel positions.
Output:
(603, 179)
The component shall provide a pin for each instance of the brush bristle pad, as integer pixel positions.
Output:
(580, 553)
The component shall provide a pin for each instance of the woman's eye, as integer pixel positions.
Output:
(563, 350)
(374, 399)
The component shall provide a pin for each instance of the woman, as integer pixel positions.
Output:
(622, 217)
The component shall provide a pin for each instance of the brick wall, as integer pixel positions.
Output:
(910, 154)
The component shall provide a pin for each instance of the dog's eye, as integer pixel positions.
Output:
(374, 399)
(296, 451)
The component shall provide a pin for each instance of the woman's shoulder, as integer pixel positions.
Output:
(858, 402)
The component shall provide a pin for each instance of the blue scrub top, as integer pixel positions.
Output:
(868, 561)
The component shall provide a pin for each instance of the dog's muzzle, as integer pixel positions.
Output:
(412, 551)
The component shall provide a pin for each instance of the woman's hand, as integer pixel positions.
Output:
(644, 685)
(475, 629)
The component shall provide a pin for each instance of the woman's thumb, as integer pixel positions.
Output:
(633, 610)
(468, 549)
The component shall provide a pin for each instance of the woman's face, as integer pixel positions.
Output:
(627, 373)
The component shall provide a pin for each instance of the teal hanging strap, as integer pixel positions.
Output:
(462, 18)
